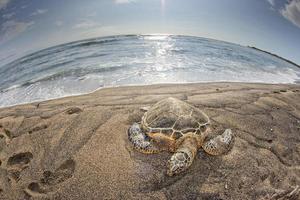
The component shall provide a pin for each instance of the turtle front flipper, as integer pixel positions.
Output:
(183, 158)
(140, 141)
(220, 144)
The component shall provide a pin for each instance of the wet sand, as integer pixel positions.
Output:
(77, 147)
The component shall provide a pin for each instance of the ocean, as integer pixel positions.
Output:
(84, 66)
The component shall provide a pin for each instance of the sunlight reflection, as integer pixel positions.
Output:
(156, 37)
(163, 48)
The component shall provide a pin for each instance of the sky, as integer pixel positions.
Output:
(30, 25)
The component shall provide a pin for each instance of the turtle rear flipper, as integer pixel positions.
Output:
(220, 144)
(140, 141)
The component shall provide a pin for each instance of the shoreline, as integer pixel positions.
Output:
(156, 84)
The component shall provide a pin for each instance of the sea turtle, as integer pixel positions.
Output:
(176, 126)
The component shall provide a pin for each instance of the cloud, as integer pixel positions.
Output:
(272, 2)
(86, 23)
(124, 1)
(91, 14)
(8, 15)
(4, 3)
(59, 23)
(291, 12)
(39, 12)
(11, 29)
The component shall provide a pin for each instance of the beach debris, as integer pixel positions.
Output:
(73, 110)
(145, 108)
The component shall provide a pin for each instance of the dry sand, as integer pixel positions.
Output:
(77, 147)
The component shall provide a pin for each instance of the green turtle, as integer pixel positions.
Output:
(176, 126)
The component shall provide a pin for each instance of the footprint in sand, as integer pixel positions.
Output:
(50, 179)
(5, 134)
(17, 163)
(21, 159)
(37, 128)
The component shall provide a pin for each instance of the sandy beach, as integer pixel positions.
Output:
(77, 147)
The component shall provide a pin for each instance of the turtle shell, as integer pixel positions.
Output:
(174, 117)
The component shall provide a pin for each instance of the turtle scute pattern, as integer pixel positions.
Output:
(174, 118)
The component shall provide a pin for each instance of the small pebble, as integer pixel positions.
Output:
(144, 109)
(226, 186)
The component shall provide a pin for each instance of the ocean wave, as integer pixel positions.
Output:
(92, 43)
(74, 73)
(83, 66)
